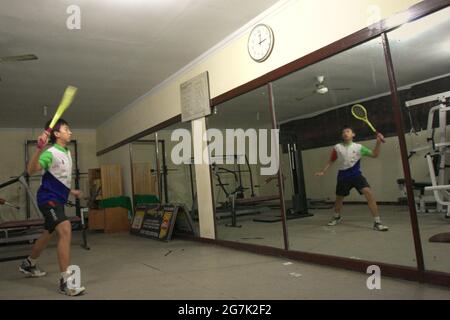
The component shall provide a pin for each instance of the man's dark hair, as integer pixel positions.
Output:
(347, 127)
(57, 126)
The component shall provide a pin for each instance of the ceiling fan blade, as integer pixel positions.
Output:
(25, 57)
(307, 96)
(340, 89)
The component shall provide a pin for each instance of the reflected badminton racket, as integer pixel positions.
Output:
(360, 113)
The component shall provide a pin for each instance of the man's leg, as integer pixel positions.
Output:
(64, 230)
(338, 205)
(371, 202)
(28, 266)
(373, 206)
(40, 245)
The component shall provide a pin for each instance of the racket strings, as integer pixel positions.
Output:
(360, 112)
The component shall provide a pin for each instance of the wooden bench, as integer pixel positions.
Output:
(12, 226)
(30, 223)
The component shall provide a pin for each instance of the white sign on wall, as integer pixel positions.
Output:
(195, 98)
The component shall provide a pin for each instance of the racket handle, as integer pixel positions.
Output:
(382, 140)
(41, 143)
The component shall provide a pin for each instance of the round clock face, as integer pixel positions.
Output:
(260, 43)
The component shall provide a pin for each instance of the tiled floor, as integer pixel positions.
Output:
(126, 267)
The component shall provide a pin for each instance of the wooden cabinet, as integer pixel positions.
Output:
(105, 183)
(144, 183)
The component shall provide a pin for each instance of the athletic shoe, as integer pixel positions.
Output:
(380, 227)
(72, 292)
(31, 271)
(335, 222)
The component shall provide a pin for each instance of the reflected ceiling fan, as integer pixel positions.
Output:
(25, 57)
(321, 89)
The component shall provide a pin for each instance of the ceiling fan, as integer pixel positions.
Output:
(25, 57)
(321, 89)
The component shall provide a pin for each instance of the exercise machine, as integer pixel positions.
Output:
(29, 230)
(299, 208)
(3, 202)
(8, 228)
(436, 158)
(437, 149)
(236, 204)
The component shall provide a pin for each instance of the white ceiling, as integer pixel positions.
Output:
(124, 48)
(420, 50)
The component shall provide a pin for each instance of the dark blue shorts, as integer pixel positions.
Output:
(53, 214)
(344, 187)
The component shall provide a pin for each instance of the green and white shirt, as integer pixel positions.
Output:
(57, 179)
(349, 159)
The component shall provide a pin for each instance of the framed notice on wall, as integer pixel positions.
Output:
(161, 222)
(195, 98)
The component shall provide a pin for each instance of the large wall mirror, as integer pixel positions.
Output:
(421, 56)
(247, 200)
(180, 178)
(147, 176)
(341, 189)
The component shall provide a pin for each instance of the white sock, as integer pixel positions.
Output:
(65, 275)
(377, 220)
(32, 261)
(337, 215)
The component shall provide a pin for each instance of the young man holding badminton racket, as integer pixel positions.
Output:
(349, 154)
(53, 194)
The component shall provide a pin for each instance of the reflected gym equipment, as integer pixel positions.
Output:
(236, 204)
(299, 208)
(437, 157)
(161, 173)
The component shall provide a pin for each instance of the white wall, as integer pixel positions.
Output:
(300, 27)
(13, 164)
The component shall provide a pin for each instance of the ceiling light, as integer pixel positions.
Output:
(322, 90)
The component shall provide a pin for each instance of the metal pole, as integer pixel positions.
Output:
(24, 183)
(443, 140)
(252, 188)
(396, 107)
(280, 172)
(27, 197)
(291, 167)
(158, 168)
(130, 150)
(77, 180)
(192, 183)
(165, 171)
